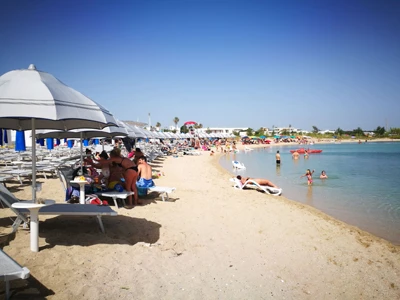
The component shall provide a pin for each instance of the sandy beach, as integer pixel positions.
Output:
(210, 241)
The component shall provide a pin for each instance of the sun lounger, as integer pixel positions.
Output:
(4, 178)
(116, 195)
(252, 184)
(163, 190)
(10, 270)
(17, 173)
(56, 209)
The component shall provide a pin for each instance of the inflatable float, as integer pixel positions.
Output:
(302, 151)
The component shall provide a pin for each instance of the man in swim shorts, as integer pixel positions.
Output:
(278, 158)
(145, 173)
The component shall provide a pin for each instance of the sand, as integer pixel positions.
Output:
(210, 241)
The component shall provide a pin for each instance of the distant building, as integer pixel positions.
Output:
(326, 131)
(221, 129)
(133, 123)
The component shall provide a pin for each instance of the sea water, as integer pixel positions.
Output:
(362, 189)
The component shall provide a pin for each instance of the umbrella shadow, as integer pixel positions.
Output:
(85, 231)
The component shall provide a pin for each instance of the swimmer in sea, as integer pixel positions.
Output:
(323, 175)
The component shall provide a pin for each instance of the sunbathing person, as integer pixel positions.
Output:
(257, 180)
(145, 173)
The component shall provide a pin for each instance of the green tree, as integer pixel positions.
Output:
(158, 124)
(358, 132)
(236, 133)
(285, 132)
(315, 129)
(339, 131)
(184, 129)
(176, 121)
(249, 131)
(380, 131)
(208, 130)
(394, 131)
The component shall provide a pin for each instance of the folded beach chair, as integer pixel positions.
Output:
(163, 190)
(58, 209)
(10, 270)
(252, 184)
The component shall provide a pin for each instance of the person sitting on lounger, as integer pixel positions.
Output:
(145, 174)
(260, 181)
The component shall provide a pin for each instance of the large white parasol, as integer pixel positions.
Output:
(32, 99)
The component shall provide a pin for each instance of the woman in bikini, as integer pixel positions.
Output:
(260, 181)
(309, 176)
(130, 174)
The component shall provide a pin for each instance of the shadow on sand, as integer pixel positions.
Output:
(85, 231)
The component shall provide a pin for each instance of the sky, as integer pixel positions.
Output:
(221, 63)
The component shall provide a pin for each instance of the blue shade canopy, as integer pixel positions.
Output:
(20, 141)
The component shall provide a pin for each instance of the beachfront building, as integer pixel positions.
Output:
(228, 130)
(326, 131)
(290, 130)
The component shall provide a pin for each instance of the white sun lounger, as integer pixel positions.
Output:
(10, 270)
(58, 209)
(163, 190)
(252, 184)
(116, 195)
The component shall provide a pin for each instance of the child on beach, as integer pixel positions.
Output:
(309, 176)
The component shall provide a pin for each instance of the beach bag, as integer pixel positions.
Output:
(93, 199)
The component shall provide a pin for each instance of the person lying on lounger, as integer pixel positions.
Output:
(260, 181)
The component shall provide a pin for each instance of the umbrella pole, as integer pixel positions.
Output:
(33, 161)
(81, 154)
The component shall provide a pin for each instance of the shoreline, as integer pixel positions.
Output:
(315, 211)
(395, 242)
(210, 241)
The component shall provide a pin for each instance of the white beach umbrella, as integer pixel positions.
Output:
(85, 133)
(32, 99)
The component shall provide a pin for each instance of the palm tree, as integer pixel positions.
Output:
(176, 121)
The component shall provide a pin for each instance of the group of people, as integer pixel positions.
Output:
(309, 174)
(130, 172)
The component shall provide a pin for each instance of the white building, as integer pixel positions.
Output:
(229, 130)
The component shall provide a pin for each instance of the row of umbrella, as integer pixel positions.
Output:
(35, 100)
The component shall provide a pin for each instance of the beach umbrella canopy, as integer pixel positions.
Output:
(188, 123)
(32, 99)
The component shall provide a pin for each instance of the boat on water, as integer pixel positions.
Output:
(302, 151)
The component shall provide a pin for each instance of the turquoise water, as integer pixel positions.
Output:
(363, 188)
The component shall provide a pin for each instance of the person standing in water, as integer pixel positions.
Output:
(278, 158)
(309, 176)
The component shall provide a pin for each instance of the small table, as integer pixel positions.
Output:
(34, 212)
(116, 195)
(81, 190)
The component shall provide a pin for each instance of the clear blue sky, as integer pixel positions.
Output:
(222, 63)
